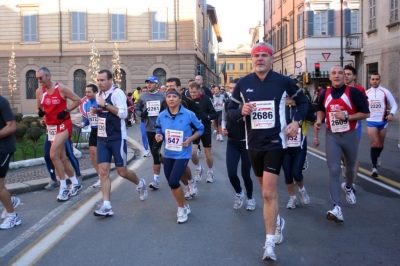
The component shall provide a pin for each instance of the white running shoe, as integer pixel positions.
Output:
(147, 153)
(251, 205)
(215, 132)
(354, 187)
(15, 202)
(304, 198)
(63, 194)
(238, 200)
(374, 172)
(188, 196)
(335, 215)
(221, 138)
(193, 187)
(97, 184)
(379, 162)
(217, 138)
(199, 153)
(142, 190)
(187, 207)
(10, 221)
(210, 177)
(292, 203)
(198, 174)
(104, 211)
(269, 253)
(154, 185)
(279, 231)
(350, 197)
(182, 215)
(305, 165)
(74, 189)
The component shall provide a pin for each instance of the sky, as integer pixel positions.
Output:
(235, 17)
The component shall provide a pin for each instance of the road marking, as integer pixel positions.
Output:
(21, 238)
(318, 154)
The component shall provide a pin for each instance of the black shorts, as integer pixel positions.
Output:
(93, 137)
(205, 140)
(268, 161)
(219, 118)
(4, 163)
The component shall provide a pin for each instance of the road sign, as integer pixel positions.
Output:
(326, 56)
(297, 71)
(298, 64)
(82, 105)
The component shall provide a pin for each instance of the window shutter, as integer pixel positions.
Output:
(291, 25)
(122, 27)
(114, 26)
(26, 28)
(212, 61)
(163, 23)
(82, 26)
(347, 21)
(205, 41)
(310, 23)
(74, 23)
(298, 26)
(331, 22)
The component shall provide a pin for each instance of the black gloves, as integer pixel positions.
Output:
(41, 113)
(62, 114)
(145, 114)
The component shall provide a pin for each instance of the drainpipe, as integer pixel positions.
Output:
(176, 23)
(294, 47)
(60, 24)
(281, 37)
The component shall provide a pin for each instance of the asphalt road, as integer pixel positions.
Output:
(146, 233)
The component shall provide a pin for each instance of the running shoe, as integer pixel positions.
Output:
(104, 211)
(210, 177)
(147, 153)
(188, 196)
(215, 132)
(193, 187)
(354, 187)
(335, 215)
(182, 215)
(10, 221)
(52, 184)
(97, 184)
(187, 207)
(238, 200)
(279, 231)
(15, 202)
(305, 165)
(379, 162)
(251, 205)
(374, 172)
(74, 189)
(292, 203)
(154, 185)
(350, 197)
(304, 198)
(269, 253)
(63, 194)
(198, 174)
(217, 138)
(142, 190)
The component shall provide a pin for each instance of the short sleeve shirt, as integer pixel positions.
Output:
(7, 144)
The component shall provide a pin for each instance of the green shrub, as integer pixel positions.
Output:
(18, 117)
(20, 132)
(27, 120)
(34, 133)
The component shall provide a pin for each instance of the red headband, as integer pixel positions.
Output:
(261, 49)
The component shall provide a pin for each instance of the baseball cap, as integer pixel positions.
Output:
(152, 79)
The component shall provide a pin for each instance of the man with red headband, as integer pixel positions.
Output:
(259, 98)
(53, 105)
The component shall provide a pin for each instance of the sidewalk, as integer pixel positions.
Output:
(34, 178)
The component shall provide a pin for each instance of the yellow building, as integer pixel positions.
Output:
(238, 63)
(162, 38)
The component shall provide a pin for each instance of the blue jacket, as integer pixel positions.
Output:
(86, 107)
(185, 121)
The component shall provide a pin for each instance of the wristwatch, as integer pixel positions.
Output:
(300, 122)
(105, 105)
(346, 116)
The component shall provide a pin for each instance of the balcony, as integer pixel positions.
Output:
(353, 43)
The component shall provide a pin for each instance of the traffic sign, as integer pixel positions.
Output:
(298, 64)
(82, 106)
(326, 56)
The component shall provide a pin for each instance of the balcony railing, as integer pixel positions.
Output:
(353, 43)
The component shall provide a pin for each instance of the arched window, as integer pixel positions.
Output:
(122, 85)
(80, 82)
(31, 84)
(161, 76)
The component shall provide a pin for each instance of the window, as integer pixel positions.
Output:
(30, 26)
(159, 24)
(118, 25)
(31, 84)
(219, 80)
(230, 79)
(291, 26)
(241, 66)
(78, 26)
(161, 76)
(300, 26)
(231, 66)
(394, 11)
(320, 23)
(284, 36)
(79, 82)
(351, 21)
(372, 14)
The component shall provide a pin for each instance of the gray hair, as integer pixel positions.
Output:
(45, 71)
(264, 44)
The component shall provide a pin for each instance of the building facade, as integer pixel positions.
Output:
(163, 38)
(238, 64)
(305, 33)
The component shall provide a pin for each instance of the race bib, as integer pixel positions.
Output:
(375, 106)
(51, 132)
(218, 104)
(153, 108)
(174, 139)
(101, 127)
(338, 125)
(294, 141)
(92, 120)
(263, 114)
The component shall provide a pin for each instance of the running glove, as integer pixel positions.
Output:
(145, 114)
(41, 113)
(62, 114)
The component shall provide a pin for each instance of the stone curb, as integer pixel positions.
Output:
(39, 184)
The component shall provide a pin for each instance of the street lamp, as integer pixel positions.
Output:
(341, 33)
